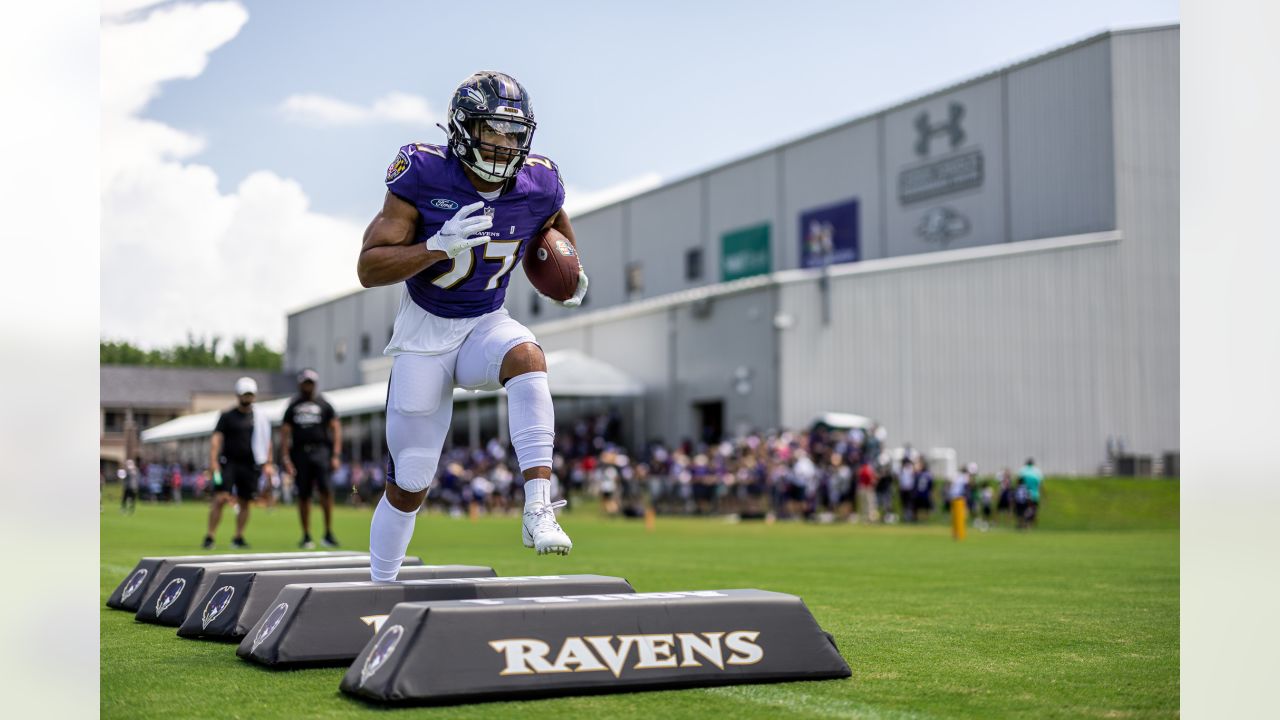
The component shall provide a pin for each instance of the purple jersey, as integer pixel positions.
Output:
(475, 282)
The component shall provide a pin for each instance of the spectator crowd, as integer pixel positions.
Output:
(821, 475)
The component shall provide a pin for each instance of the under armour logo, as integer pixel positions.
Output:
(951, 128)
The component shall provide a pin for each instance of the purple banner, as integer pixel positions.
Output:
(831, 229)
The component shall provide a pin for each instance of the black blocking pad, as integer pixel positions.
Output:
(141, 581)
(174, 595)
(444, 652)
(236, 600)
(329, 624)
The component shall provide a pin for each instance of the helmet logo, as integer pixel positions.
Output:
(477, 97)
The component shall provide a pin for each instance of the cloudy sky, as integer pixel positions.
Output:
(244, 143)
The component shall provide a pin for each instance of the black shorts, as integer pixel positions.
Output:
(313, 472)
(239, 480)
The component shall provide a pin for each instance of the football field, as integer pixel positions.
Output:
(1078, 618)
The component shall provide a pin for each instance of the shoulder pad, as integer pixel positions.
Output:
(414, 169)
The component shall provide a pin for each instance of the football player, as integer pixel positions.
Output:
(454, 224)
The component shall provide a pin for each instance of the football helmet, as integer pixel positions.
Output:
(491, 125)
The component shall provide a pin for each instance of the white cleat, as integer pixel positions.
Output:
(541, 531)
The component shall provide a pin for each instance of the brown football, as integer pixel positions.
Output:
(551, 264)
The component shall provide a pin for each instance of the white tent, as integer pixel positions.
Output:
(569, 374)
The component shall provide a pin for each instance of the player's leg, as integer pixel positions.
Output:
(501, 352)
(215, 517)
(324, 488)
(419, 408)
(245, 485)
(304, 482)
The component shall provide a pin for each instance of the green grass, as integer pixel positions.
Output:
(1076, 619)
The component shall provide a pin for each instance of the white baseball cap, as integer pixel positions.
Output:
(246, 385)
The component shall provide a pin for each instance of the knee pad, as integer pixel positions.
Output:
(532, 419)
(416, 468)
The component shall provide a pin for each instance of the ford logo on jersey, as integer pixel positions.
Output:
(444, 204)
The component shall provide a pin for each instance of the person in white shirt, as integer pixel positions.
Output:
(907, 489)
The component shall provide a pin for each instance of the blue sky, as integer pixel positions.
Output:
(627, 95)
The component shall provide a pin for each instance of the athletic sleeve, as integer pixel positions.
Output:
(222, 425)
(288, 415)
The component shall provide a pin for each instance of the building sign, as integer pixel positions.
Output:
(745, 252)
(829, 233)
(956, 170)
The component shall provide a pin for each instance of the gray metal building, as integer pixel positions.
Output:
(1001, 272)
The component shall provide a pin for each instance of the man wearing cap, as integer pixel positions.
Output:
(311, 445)
(239, 451)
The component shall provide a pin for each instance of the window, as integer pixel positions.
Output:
(366, 345)
(693, 264)
(635, 278)
(535, 307)
(340, 350)
(112, 421)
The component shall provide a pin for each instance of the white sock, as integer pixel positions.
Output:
(389, 535)
(537, 492)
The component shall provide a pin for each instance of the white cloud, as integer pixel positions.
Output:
(322, 110)
(578, 201)
(178, 255)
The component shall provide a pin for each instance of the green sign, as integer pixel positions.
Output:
(744, 253)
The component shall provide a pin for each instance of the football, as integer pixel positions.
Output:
(551, 264)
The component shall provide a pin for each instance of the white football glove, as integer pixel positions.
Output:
(454, 236)
(578, 294)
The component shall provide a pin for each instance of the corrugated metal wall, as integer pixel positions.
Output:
(1145, 96)
(1061, 178)
(314, 334)
(998, 358)
(662, 227)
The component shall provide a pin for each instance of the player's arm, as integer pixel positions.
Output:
(560, 221)
(387, 257)
(335, 427)
(286, 444)
(215, 449)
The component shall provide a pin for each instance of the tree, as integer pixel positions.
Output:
(194, 353)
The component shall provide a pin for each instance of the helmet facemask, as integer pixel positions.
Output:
(494, 147)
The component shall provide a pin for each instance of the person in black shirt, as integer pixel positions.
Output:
(311, 443)
(239, 451)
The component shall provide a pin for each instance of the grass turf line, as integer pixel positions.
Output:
(1068, 622)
